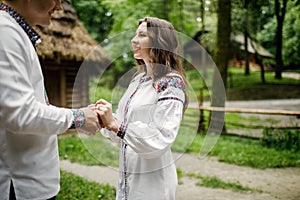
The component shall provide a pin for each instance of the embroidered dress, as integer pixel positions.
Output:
(150, 114)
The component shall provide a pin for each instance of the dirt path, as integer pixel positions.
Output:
(279, 184)
(275, 184)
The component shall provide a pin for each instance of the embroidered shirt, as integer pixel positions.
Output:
(28, 126)
(32, 34)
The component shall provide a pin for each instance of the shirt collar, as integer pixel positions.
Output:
(32, 34)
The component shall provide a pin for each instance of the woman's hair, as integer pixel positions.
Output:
(164, 46)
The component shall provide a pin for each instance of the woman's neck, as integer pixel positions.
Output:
(149, 69)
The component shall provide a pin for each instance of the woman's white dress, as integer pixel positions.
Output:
(150, 114)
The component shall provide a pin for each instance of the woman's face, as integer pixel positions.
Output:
(141, 42)
(41, 11)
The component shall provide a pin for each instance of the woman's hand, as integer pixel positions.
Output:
(104, 111)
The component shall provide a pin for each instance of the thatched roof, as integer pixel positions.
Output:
(252, 46)
(67, 39)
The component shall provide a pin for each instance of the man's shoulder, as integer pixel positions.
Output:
(12, 35)
(7, 20)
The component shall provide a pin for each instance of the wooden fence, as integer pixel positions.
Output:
(202, 121)
(252, 111)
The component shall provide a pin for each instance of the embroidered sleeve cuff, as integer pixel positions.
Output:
(79, 119)
(122, 130)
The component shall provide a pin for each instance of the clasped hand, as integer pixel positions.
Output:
(104, 112)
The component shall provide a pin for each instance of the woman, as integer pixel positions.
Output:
(148, 116)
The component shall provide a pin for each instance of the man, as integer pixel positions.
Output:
(29, 160)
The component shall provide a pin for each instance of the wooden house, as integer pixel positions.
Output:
(196, 53)
(238, 49)
(65, 45)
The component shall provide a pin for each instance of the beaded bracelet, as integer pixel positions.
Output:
(79, 119)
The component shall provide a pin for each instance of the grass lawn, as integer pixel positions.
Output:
(229, 149)
(93, 150)
(248, 152)
(76, 188)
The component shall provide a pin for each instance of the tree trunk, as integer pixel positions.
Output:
(181, 15)
(202, 13)
(259, 61)
(201, 123)
(223, 38)
(221, 58)
(280, 13)
(261, 65)
(247, 68)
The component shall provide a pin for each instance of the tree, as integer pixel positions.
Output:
(291, 35)
(247, 68)
(126, 14)
(246, 21)
(95, 16)
(223, 37)
(221, 56)
(280, 10)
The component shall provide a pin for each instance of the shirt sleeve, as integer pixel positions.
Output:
(20, 110)
(155, 127)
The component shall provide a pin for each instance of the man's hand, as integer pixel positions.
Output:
(92, 124)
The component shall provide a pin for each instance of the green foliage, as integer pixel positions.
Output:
(247, 15)
(266, 37)
(128, 12)
(248, 152)
(76, 188)
(99, 87)
(291, 35)
(106, 18)
(282, 139)
(95, 16)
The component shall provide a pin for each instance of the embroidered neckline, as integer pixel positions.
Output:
(142, 79)
(32, 34)
(145, 78)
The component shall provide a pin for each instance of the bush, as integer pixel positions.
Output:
(282, 139)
